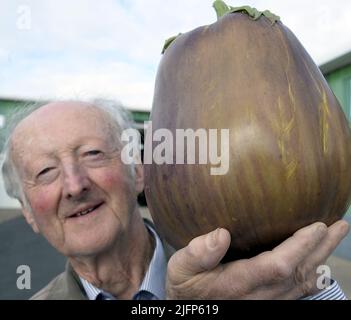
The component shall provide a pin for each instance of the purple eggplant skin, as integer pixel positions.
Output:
(290, 146)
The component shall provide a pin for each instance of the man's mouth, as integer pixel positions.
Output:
(86, 211)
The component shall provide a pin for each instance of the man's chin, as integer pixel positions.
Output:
(88, 249)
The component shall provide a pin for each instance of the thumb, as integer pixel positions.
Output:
(201, 254)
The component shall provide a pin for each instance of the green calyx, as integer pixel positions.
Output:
(222, 8)
(168, 42)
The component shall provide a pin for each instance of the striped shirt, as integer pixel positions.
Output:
(153, 285)
(333, 292)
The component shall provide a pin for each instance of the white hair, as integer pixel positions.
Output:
(120, 119)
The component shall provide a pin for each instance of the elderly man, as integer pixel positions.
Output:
(63, 163)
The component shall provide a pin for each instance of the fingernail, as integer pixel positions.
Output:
(212, 239)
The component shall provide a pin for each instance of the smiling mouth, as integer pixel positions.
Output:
(85, 212)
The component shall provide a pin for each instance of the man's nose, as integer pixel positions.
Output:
(76, 182)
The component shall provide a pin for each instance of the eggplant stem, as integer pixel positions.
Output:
(222, 8)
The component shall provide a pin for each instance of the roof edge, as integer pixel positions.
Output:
(336, 63)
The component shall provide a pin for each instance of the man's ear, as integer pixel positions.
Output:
(139, 178)
(30, 219)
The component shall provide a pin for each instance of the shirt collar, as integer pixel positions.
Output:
(153, 282)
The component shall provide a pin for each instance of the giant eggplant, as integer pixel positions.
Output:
(289, 140)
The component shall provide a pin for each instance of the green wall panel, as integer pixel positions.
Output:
(340, 83)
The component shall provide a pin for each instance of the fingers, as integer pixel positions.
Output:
(304, 277)
(336, 232)
(296, 248)
(306, 272)
(202, 253)
(279, 265)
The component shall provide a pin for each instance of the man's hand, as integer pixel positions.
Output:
(286, 272)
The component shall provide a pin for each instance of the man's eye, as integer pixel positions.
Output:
(93, 152)
(44, 171)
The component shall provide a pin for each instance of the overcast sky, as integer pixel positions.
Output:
(111, 48)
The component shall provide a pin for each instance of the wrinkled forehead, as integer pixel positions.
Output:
(57, 125)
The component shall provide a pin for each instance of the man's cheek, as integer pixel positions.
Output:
(110, 180)
(42, 203)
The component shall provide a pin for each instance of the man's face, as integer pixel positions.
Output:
(81, 195)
